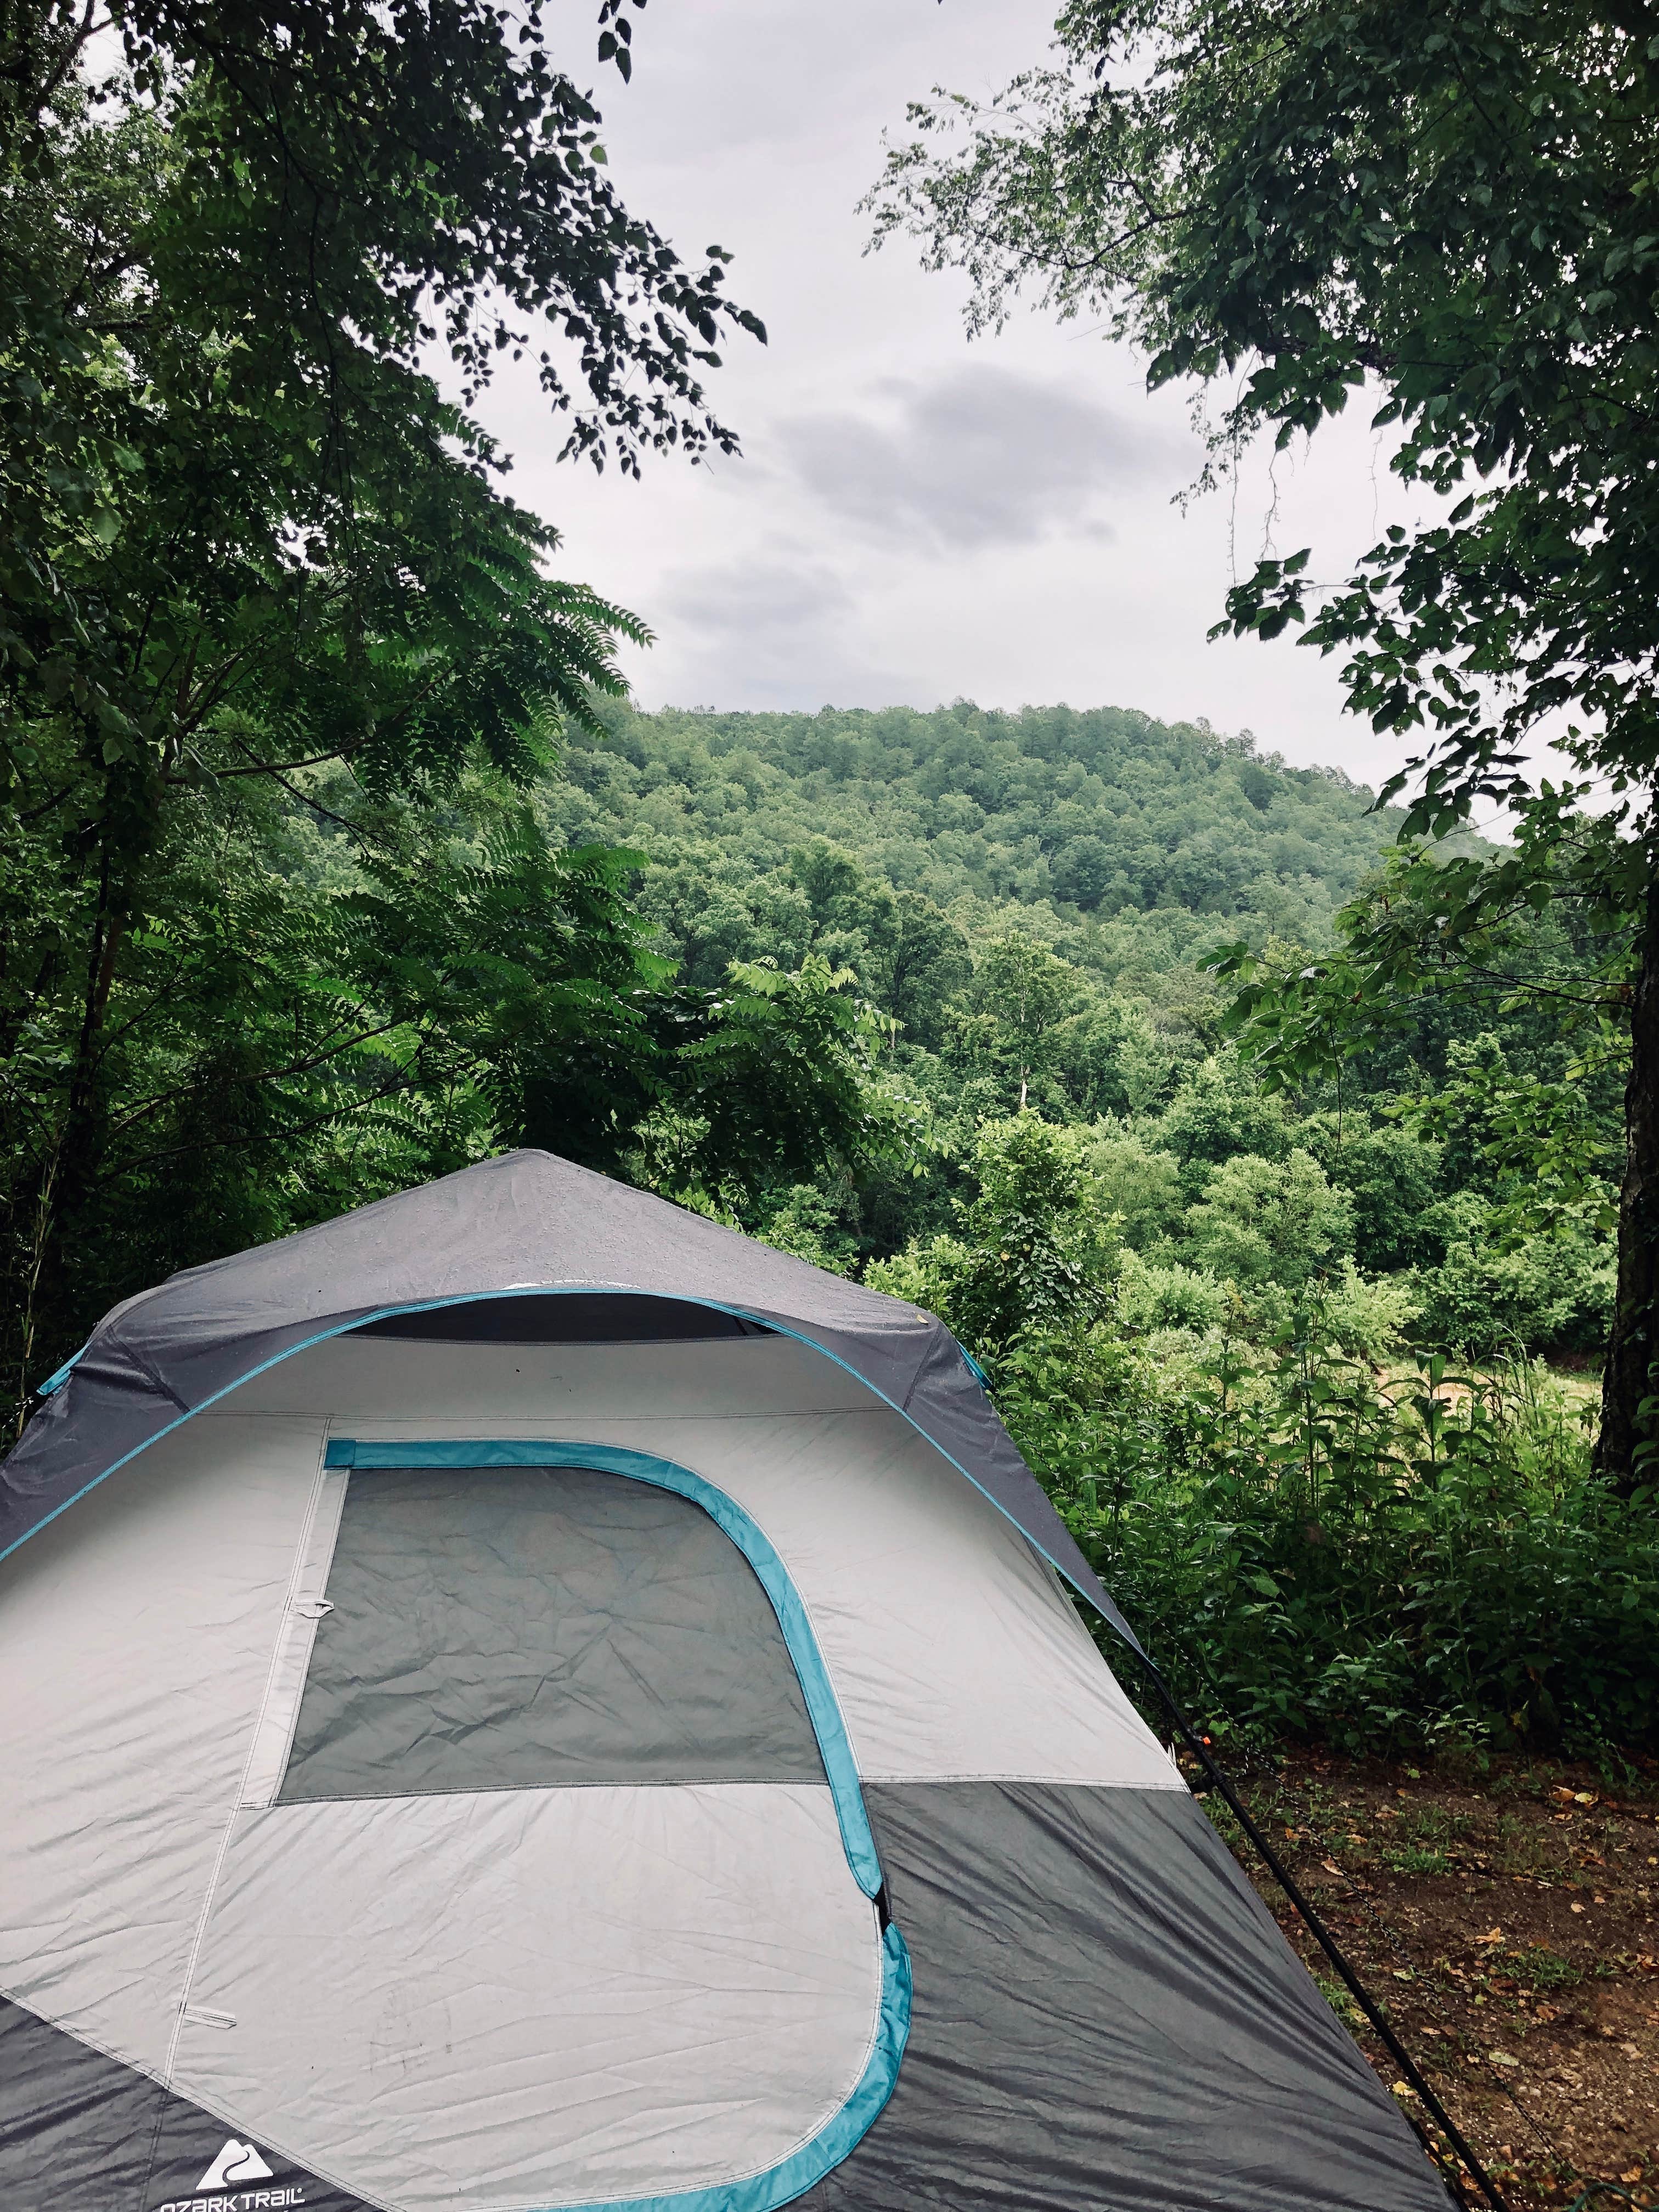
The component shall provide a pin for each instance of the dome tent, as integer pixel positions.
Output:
(560, 1705)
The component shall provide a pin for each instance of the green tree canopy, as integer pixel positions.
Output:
(1262, 1221)
(256, 566)
(1020, 995)
(1449, 207)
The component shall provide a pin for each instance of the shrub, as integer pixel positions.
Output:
(1158, 1296)
(1393, 1179)
(1035, 1244)
(1491, 1293)
(1305, 1550)
(1138, 1184)
(1269, 1221)
(1221, 1111)
(1366, 1317)
(1307, 1537)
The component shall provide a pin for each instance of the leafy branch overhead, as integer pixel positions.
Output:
(1445, 208)
(1445, 212)
(257, 568)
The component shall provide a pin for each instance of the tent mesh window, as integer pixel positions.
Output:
(523, 1627)
(566, 1318)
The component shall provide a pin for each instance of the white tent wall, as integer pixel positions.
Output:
(136, 1641)
(524, 1997)
(149, 1903)
(952, 1652)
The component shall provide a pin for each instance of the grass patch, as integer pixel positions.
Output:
(1537, 1967)
(1416, 1858)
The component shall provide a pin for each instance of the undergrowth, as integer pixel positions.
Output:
(1315, 1529)
(1311, 1546)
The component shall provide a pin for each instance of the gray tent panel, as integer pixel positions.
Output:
(525, 1223)
(80, 2130)
(1105, 2015)
(517, 1627)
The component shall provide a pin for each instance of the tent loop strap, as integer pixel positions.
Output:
(1327, 1943)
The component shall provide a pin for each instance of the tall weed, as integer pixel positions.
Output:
(1307, 1545)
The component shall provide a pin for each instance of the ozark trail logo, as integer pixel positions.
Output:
(230, 2185)
(237, 2161)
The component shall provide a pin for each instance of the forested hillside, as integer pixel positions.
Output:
(1031, 904)
(1282, 1327)
(1104, 817)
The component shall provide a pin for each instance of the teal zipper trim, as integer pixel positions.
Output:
(804, 2168)
(581, 1290)
(822, 1707)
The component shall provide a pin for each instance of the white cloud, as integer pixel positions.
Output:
(979, 456)
(914, 520)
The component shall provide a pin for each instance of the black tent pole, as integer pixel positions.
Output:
(1327, 1942)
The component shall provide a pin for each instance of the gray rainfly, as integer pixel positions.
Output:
(519, 1698)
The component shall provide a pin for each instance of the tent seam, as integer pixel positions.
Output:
(1109, 1612)
(193, 1958)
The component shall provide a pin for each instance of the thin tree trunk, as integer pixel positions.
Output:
(31, 1298)
(69, 1165)
(1630, 1430)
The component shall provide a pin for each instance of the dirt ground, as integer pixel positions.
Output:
(1507, 1920)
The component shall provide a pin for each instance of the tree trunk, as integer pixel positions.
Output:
(69, 1156)
(1630, 1430)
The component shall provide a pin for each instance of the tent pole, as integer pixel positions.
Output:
(1327, 1943)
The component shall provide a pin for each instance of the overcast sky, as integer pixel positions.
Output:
(915, 519)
